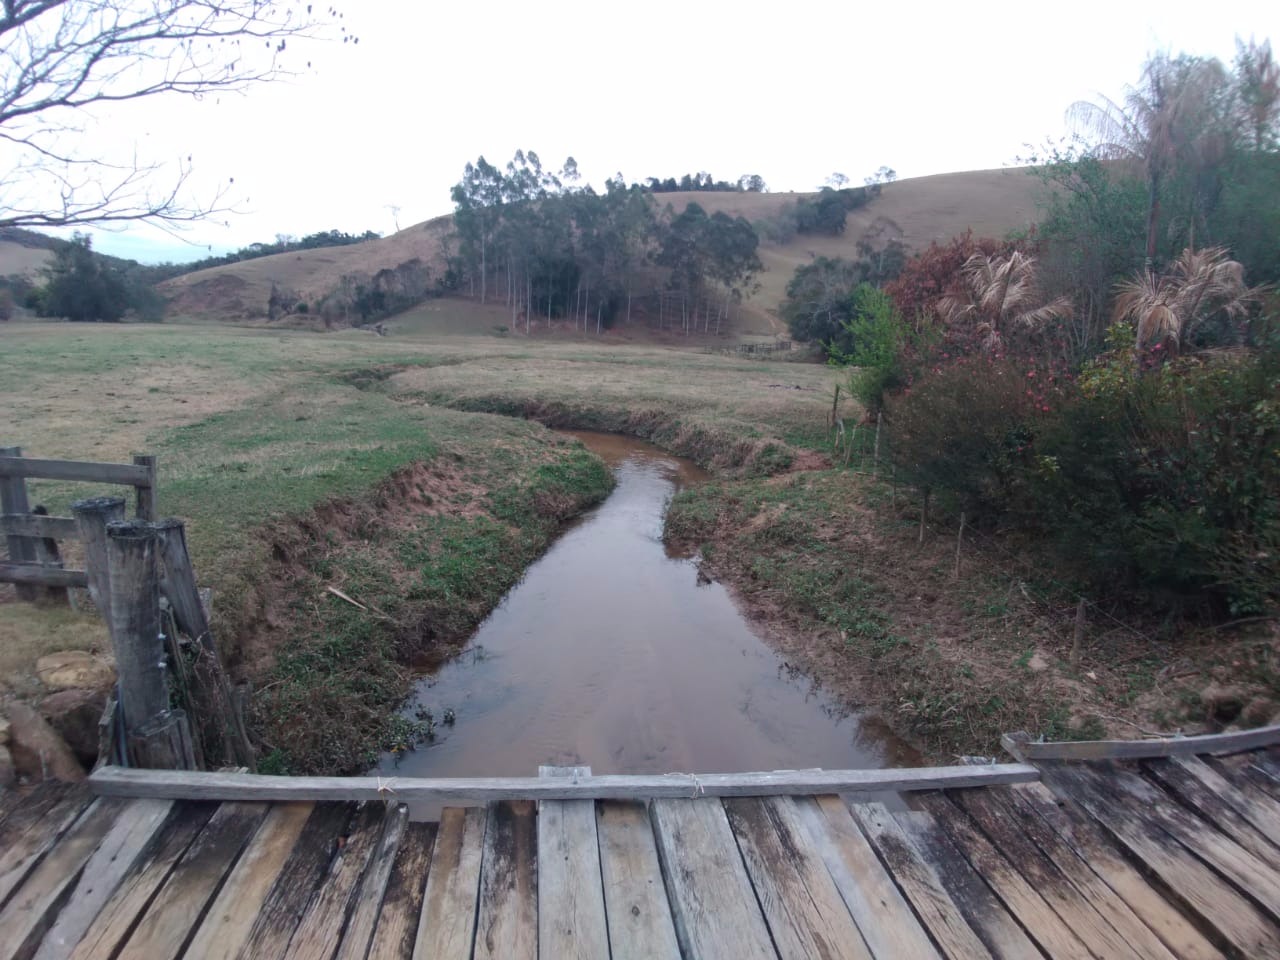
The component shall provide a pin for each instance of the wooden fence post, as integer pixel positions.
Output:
(146, 506)
(13, 500)
(959, 544)
(49, 556)
(93, 515)
(216, 699)
(155, 736)
(879, 421)
(924, 514)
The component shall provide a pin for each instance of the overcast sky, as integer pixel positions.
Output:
(792, 90)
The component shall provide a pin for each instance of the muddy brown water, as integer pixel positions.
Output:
(612, 652)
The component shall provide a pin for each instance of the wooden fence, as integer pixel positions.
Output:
(129, 567)
(34, 560)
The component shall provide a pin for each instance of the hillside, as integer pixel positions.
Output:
(991, 202)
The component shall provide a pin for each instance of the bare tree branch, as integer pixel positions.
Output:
(59, 57)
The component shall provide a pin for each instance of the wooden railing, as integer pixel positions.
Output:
(34, 560)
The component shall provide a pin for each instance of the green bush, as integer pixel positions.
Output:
(874, 343)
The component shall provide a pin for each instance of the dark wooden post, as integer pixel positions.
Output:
(179, 586)
(93, 515)
(13, 500)
(155, 736)
(146, 509)
(48, 555)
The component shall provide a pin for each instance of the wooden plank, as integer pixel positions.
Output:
(32, 908)
(35, 526)
(196, 785)
(1088, 907)
(884, 918)
(320, 928)
(1028, 750)
(31, 830)
(373, 886)
(1234, 920)
(446, 929)
(227, 925)
(507, 924)
(402, 903)
(134, 831)
(116, 920)
(146, 491)
(179, 906)
(1072, 833)
(712, 902)
(805, 912)
(125, 474)
(635, 900)
(920, 883)
(292, 891)
(1259, 809)
(571, 917)
(34, 574)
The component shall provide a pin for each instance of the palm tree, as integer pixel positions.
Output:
(1001, 293)
(1174, 119)
(1201, 284)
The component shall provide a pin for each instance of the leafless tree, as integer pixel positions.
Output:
(59, 59)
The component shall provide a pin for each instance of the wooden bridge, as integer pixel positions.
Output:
(1158, 849)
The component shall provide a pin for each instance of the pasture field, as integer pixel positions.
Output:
(414, 474)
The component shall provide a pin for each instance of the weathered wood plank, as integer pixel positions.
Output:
(571, 918)
(125, 474)
(13, 500)
(179, 906)
(884, 918)
(1022, 747)
(292, 891)
(373, 886)
(712, 902)
(135, 829)
(34, 827)
(805, 912)
(1259, 809)
(507, 924)
(920, 882)
(402, 903)
(1233, 918)
(446, 929)
(1072, 839)
(227, 925)
(180, 784)
(319, 930)
(35, 526)
(34, 574)
(1086, 913)
(32, 908)
(145, 507)
(115, 920)
(635, 900)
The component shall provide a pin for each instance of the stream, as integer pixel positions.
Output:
(612, 652)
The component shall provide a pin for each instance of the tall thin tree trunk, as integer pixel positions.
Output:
(484, 267)
(599, 311)
(628, 306)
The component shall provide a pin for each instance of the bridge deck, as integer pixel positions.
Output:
(1162, 857)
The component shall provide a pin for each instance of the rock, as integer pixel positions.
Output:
(75, 669)
(4, 732)
(38, 752)
(1259, 711)
(1037, 663)
(6, 768)
(75, 715)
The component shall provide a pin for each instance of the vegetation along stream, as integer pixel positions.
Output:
(613, 653)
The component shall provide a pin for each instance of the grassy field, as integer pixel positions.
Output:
(377, 466)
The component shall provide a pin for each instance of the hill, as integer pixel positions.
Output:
(990, 202)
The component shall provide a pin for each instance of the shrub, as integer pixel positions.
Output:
(876, 342)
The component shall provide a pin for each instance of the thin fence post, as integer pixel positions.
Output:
(146, 496)
(48, 555)
(13, 500)
(879, 421)
(924, 514)
(1078, 638)
(835, 404)
(156, 737)
(959, 544)
(93, 515)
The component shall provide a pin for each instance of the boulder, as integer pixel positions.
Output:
(6, 768)
(38, 752)
(75, 715)
(75, 669)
